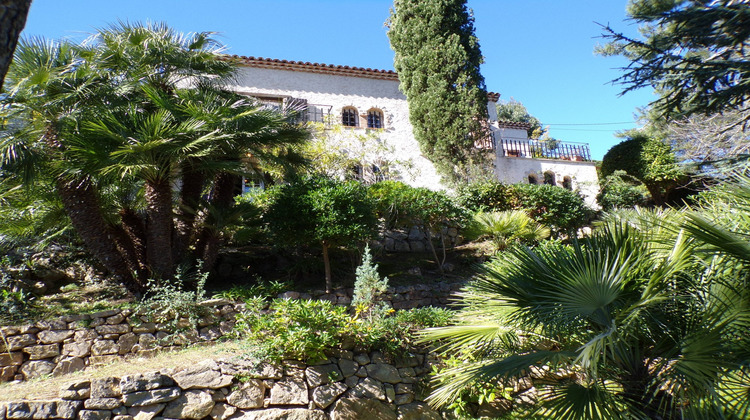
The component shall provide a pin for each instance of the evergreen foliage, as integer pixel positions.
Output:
(368, 285)
(620, 190)
(321, 211)
(647, 159)
(515, 111)
(693, 52)
(437, 60)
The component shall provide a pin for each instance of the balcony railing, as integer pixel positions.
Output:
(545, 149)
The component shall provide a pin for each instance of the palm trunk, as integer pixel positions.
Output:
(327, 265)
(134, 230)
(159, 228)
(222, 198)
(190, 194)
(12, 20)
(81, 203)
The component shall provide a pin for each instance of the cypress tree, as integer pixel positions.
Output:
(437, 59)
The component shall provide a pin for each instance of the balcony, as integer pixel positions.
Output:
(541, 149)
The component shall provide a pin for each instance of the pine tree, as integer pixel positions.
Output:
(437, 60)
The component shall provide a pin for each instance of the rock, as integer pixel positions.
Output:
(215, 302)
(103, 360)
(126, 342)
(68, 365)
(113, 329)
(105, 388)
(51, 337)
(105, 314)
(31, 410)
(144, 382)
(146, 412)
(390, 392)
(102, 403)
(115, 319)
(18, 342)
(190, 405)
(407, 360)
(368, 388)
(362, 358)
(156, 396)
(494, 409)
(202, 375)
(289, 391)
(250, 395)
(417, 411)
(67, 409)
(146, 340)
(362, 409)
(79, 390)
(77, 349)
(348, 367)
(282, 414)
(323, 374)
(42, 352)
(251, 369)
(221, 411)
(383, 373)
(52, 324)
(402, 399)
(11, 359)
(102, 347)
(324, 395)
(144, 327)
(36, 369)
(7, 374)
(94, 415)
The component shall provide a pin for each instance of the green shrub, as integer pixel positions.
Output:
(320, 211)
(262, 289)
(170, 301)
(368, 284)
(560, 209)
(620, 190)
(15, 303)
(307, 329)
(506, 227)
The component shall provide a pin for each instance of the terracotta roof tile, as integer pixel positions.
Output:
(275, 63)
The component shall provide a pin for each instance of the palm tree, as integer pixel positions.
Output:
(643, 322)
(129, 122)
(507, 227)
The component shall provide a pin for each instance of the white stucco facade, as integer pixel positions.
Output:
(327, 89)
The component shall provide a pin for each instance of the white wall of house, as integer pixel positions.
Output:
(340, 91)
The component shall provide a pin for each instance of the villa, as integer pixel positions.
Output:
(369, 100)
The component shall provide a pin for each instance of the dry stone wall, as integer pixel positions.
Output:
(75, 342)
(347, 385)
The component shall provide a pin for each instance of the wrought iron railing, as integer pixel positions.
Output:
(545, 149)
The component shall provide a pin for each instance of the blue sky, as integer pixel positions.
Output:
(539, 52)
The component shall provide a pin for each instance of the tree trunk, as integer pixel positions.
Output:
(222, 198)
(82, 206)
(135, 231)
(327, 265)
(190, 195)
(12, 20)
(428, 230)
(159, 228)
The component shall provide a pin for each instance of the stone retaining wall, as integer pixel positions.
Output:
(75, 342)
(415, 240)
(345, 386)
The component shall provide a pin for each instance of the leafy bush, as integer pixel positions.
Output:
(262, 289)
(15, 303)
(403, 206)
(307, 329)
(170, 302)
(619, 190)
(552, 206)
(320, 211)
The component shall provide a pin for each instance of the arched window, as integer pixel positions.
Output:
(374, 118)
(533, 179)
(349, 117)
(549, 178)
(568, 183)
